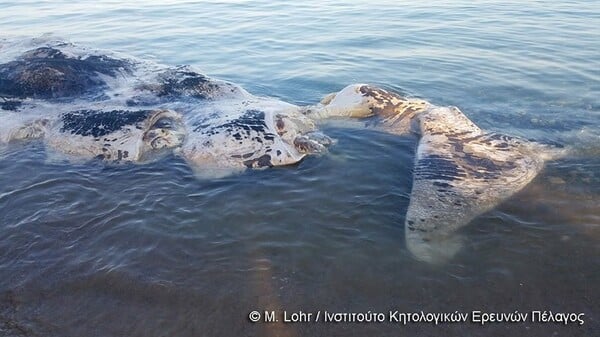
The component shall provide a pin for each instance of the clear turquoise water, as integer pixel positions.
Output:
(87, 250)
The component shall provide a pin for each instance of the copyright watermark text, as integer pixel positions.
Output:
(420, 317)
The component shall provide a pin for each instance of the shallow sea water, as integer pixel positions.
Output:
(91, 250)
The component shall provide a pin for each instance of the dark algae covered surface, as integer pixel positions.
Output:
(48, 73)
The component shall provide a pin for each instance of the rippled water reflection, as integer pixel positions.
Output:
(152, 251)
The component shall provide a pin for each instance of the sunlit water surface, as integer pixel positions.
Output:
(90, 250)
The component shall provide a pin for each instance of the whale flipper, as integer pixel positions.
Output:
(460, 172)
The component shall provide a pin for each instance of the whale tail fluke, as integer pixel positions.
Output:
(460, 171)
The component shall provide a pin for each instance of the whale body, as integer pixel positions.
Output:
(90, 104)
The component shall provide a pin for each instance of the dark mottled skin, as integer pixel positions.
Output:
(262, 161)
(446, 171)
(250, 125)
(384, 106)
(100, 123)
(47, 73)
(436, 167)
(241, 128)
(184, 82)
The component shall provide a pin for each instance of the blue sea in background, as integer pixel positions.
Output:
(90, 250)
